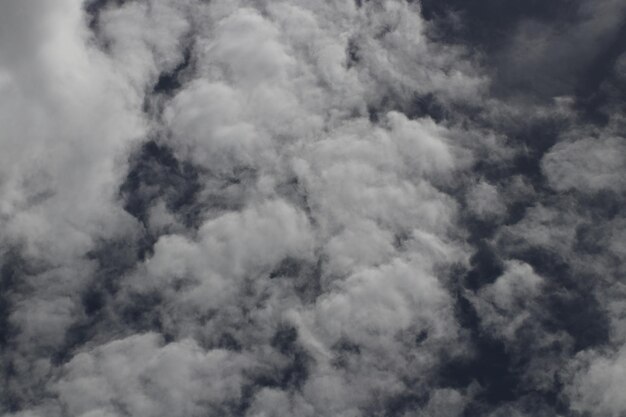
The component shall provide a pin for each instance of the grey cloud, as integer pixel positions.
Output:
(594, 389)
(141, 376)
(257, 208)
(587, 165)
(485, 202)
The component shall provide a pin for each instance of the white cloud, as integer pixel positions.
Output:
(144, 38)
(141, 376)
(68, 120)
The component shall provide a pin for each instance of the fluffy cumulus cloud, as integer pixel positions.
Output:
(588, 164)
(595, 386)
(294, 208)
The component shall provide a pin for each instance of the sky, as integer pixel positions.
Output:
(271, 208)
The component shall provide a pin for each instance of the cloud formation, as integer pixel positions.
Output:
(255, 208)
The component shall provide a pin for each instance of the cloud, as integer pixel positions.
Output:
(594, 388)
(587, 165)
(485, 202)
(139, 375)
(256, 208)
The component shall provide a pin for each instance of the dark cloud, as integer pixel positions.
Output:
(538, 49)
(156, 174)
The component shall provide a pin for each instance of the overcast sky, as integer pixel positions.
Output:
(274, 208)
